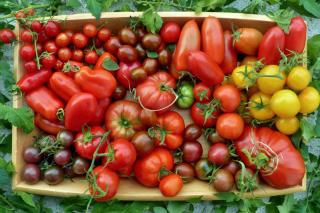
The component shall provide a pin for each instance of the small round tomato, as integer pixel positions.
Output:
(192, 132)
(185, 96)
(77, 55)
(202, 93)
(192, 151)
(127, 54)
(298, 78)
(150, 65)
(112, 45)
(7, 36)
(52, 29)
(223, 180)
(229, 97)
(170, 32)
(138, 74)
(104, 185)
(151, 41)
(36, 26)
(90, 30)
(143, 143)
(69, 33)
(79, 40)
(30, 66)
(273, 81)
(171, 185)
(243, 76)
(104, 34)
(288, 126)
(127, 36)
(203, 168)
(48, 61)
(285, 103)
(26, 36)
(62, 40)
(309, 100)
(247, 40)
(200, 114)
(27, 52)
(213, 136)
(91, 57)
(164, 57)
(232, 167)
(259, 106)
(218, 154)
(42, 37)
(185, 171)
(230, 125)
(64, 54)
(51, 47)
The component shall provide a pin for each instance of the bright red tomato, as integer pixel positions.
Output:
(64, 54)
(218, 154)
(230, 60)
(230, 125)
(51, 47)
(296, 38)
(171, 185)
(36, 26)
(52, 29)
(48, 61)
(91, 57)
(51, 127)
(90, 30)
(62, 40)
(170, 32)
(79, 40)
(200, 114)
(98, 117)
(284, 166)
(27, 52)
(30, 66)
(124, 74)
(202, 93)
(63, 85)
(104, 34)
(26, 36)
(77, 55)
(7, 36)
(34, 80)
(229, 97)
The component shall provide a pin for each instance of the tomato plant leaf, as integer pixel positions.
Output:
(95, 7)
(313, 48)
(152, 54)
(177, 206)
(282, 18)
(73, 3)
(308, 130)
(287, 205)
(152, 20)
(159, 210)
(110, 65)
(26, 197)
(6, 80)
(228, 196)
(312, 6)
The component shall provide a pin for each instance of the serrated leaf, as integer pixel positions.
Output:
(152, 54)
(6, 80)
(152, 20)
(308, 130)
(95, 8)
(26, 197)
(21, 117)
(110, 65)
(282, 18)
(177, 206)
(287, 205)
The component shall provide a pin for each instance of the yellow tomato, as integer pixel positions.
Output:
(285, 103)
(271, 79)
(259, 106)
(242, 76)
(309, 100)
(298, 78)
(288, 126)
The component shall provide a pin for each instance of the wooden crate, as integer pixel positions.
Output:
(130, 189)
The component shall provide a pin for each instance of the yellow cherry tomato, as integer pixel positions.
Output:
(288, 126)
(285, 103)
(298, 78)
(259, 106)
(309, 100)
(242, 76)
(271, 79)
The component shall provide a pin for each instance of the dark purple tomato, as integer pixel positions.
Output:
(68, 171)
(192, 151)
(218, 154)
(203, 169)
(53, 176)
(80, 166)
(65, 137)
(127, 54)
(119, 93)
(31, 173)
(138, 74)
(143, 143)
(62, 157)
(141, 51)
(140, 33)
(232, 167)
(31, 155)
(150, 65)
(164, 57)
(223, 180)
(127, 36)
(112, 45)
(151, 41)
(192, 132)
(214, 137)
(186, 171)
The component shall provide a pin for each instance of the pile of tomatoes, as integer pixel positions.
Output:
(110, 104)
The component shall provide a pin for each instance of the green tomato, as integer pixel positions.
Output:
(186, 98)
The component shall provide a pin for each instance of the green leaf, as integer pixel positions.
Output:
(287, 205)
(228, 196)
(313, 48)
(282, 18)
(7, 166)
(159, 210)
(95, 7)
(308, 130)
(171, 47)
(208, 5)
(21, 117)
(152, 54)
(151, 19)
(73, 3)
(26, 197)
(177, 206)
(74, 204)
(312, 6)
(110, 65)
(6, 80)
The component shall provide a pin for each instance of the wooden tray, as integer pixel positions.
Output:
(130, 189)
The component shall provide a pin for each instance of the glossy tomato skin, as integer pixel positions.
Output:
(218, 154)
(80, 110)
(51, 127)
(102, 58)
(27, 52)
(30, 66)
(98, 117)
(36, 26)
(202, 93)
(171, 185)
(85, 147)
(90, 30)
(44, 102)
(148, 118)
(173, 125)
(123, 74)
(248, 40)
(230, 59)
(98, 82)
(230, 125)
(104, 34)
(107, 180)
(189, 40)
(170, 32)
(192, 151)
(112, 45)
(198, 118)
(7, 36)
(296, 38)
(192, 132)
(229, 97)
(91, 57)
(204, 68)
(272, 41)
(34, 80)
(79, 40)
(223, 180)
(51, 47)
(147, 168)
(122, 118)
(158, 86)
(62, 40)
(186, 171)
(64, 54)
(285, 167)
(212, 39)
(48, 61)
(143, 143)
(63, 85)
(124, 156)
(25, 36)
(52, 29)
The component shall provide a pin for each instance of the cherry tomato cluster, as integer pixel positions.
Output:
(112, 104)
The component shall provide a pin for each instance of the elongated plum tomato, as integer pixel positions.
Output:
(51, 127)
(171, 185)
(296, 38)
(63, 85)
(34, 80)
(230, 59)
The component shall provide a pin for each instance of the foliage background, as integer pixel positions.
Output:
(23, 202)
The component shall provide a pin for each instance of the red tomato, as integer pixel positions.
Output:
(87, 141)
(147, 169)
(230, 125)
(69, 33)
(157, 92)
(295, 40)
(272, 43)
(30, 66)
(198, 114)
(91, 57)
(102, 58)
(48, 61)
(80, 110)
(77, 55)
(7, 36)
(26, 36)
(63, 85)
(50, 127)
(27, 52)
(202, 93)
(124, 156)
(51, 47)
(42, 37)
(62, 40)
(36, 26)
(218, 154)
(90, 30)
(170, 32)
(64, 54)
(98, 117)
(122, 118)
(229, 97)
(112, 45)
(105, 180)
(189, 40)
(104, 34)
(204, 68)
(230, 60)
(44, 102)
(79, 40)
(124, 74)
(98, 82)
(285, 166)
(52, 29)
(212, 39)
(169, 130)
(171, 185)
(34, 80)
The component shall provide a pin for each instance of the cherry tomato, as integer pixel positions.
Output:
(309, 100)
(185, 171)
(298, 78)
(170, 32)
(124, 76)
(51, 127)
(143, 143)
(91, 57)
(104, 34)
(213, 137)
(223, 180)
(139, 75)
(36, 26)
(288, 126)
(171, 185)
(52, 29)
(192, 132)
(79, 40)
(202, 93)
(230, 125)
(27, 52)
(77, 55)
(31, 173)
(150, 65)
(90, 30)
(42, 37)
(247, 40)
(26, 36)
(30, 66)
(164, 57)
(285, 103)
(62, 40)
(48, 61)
(199, 111)
(127, 36)
(232, 167)
(151, 41)
(218, 154)
(192, 151)
(64, 54)
(270, 84)
(119, 92)
(51, 47)
(127, 54)
(259, 106)
(203, 169)
(31, 155)
(240, 80)
(112, 45)
(7, 36)
(80, 166)
(229, 97)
